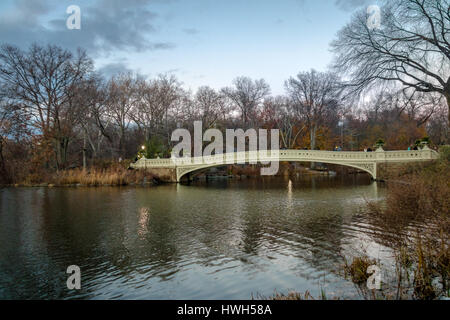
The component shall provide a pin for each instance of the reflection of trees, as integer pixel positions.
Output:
(81, 227)
(313, 233)
(22, 272)
(312, 228)
(159, 243)
(138, 236)
(96, 229)
(252, 231)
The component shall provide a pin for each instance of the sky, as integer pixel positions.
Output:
(201, 42)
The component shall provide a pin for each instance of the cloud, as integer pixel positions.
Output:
(113, 68)
(191, 31)
(173, 71)
(351, 5)
(106, 26)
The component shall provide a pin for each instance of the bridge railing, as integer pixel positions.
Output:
(291, 155)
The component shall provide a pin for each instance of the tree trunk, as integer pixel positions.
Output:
(57, 154)
(313, 132)
(122, 143)
(447, 96)
(84, 151)
(62, 144)
(5, 176)
(65, 147)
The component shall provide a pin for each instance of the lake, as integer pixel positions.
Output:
(221, 239)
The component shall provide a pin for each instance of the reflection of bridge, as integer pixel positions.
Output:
(175, 169)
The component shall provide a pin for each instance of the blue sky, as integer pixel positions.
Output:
(202, 42)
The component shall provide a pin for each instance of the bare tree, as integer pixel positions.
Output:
(156, 99)
(247, 95)
(418, 106)
(412, 47)
(121, 102)
(281, 112)
(41, 81)
(210, 106)
(437, 126)
(94, 120)
(315, 97)
(13, 127)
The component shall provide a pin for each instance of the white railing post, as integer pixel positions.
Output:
(426, 153)
(380, 154)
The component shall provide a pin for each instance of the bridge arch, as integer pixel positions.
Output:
(369, 168)
(365, 161)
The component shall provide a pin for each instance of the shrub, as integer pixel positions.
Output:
(416, 221)
(425, 140)
(357, 270)
(379, 143)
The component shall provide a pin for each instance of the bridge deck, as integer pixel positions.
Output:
(366, 161)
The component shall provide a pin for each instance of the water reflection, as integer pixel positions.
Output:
(222, 239)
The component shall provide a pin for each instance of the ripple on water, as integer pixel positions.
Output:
(225, 240)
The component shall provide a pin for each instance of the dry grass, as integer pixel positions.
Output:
(357, 270)
(292, 295)
(99, 177)
(104, 174)
(416, 221)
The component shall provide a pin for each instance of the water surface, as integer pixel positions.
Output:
(217, 240)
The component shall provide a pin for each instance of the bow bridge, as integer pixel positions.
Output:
(176, 168)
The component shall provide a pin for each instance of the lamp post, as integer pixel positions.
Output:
(142, 154)
(341, 124)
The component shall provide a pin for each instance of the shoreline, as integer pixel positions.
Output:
(156, 181)
(79, 185)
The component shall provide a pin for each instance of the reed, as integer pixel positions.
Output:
(115, 176)
(416, 221)
(292, 295)
(357, 270)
